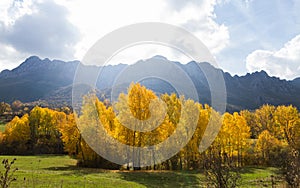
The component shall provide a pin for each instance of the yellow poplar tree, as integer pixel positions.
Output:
(265, 120)
(17, 133)
(287, 117)
(267, 146)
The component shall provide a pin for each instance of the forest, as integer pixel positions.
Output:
(268, 136)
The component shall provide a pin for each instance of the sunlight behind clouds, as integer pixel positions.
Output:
(96, 20)
(146, 51)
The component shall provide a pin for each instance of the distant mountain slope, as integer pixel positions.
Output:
(37, 79)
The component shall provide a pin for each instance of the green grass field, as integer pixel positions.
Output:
(61, 171)
(2, 127)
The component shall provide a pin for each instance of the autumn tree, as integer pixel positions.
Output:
(193, 156)
(70, 136)
(268, 149)
(223, 157)
(252, 122)
(233, 137)
(88, 122)
(44, 133)
(287, 118)
(264, 118)
(146, 114)
(4, 107)
(17, 135)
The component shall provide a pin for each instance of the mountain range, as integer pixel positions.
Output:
(51, 81)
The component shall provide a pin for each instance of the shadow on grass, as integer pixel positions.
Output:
(254, 169)
(147, 178)
(63, 168)
(76, 170)
(163, 178)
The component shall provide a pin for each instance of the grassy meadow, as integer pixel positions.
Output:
(61, 171)
(2, 127)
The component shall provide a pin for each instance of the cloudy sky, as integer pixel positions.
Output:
(243, 35)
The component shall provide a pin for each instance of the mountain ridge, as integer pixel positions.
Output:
(50, 80)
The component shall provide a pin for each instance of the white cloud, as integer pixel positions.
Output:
(45, 32)
(284, 63)
(94, 19)
(9, 57)
(97, 19)
(199, 18)
(35, 28)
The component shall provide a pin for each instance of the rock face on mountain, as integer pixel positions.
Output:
(36, 79)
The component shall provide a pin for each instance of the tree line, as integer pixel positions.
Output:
(268, 136)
